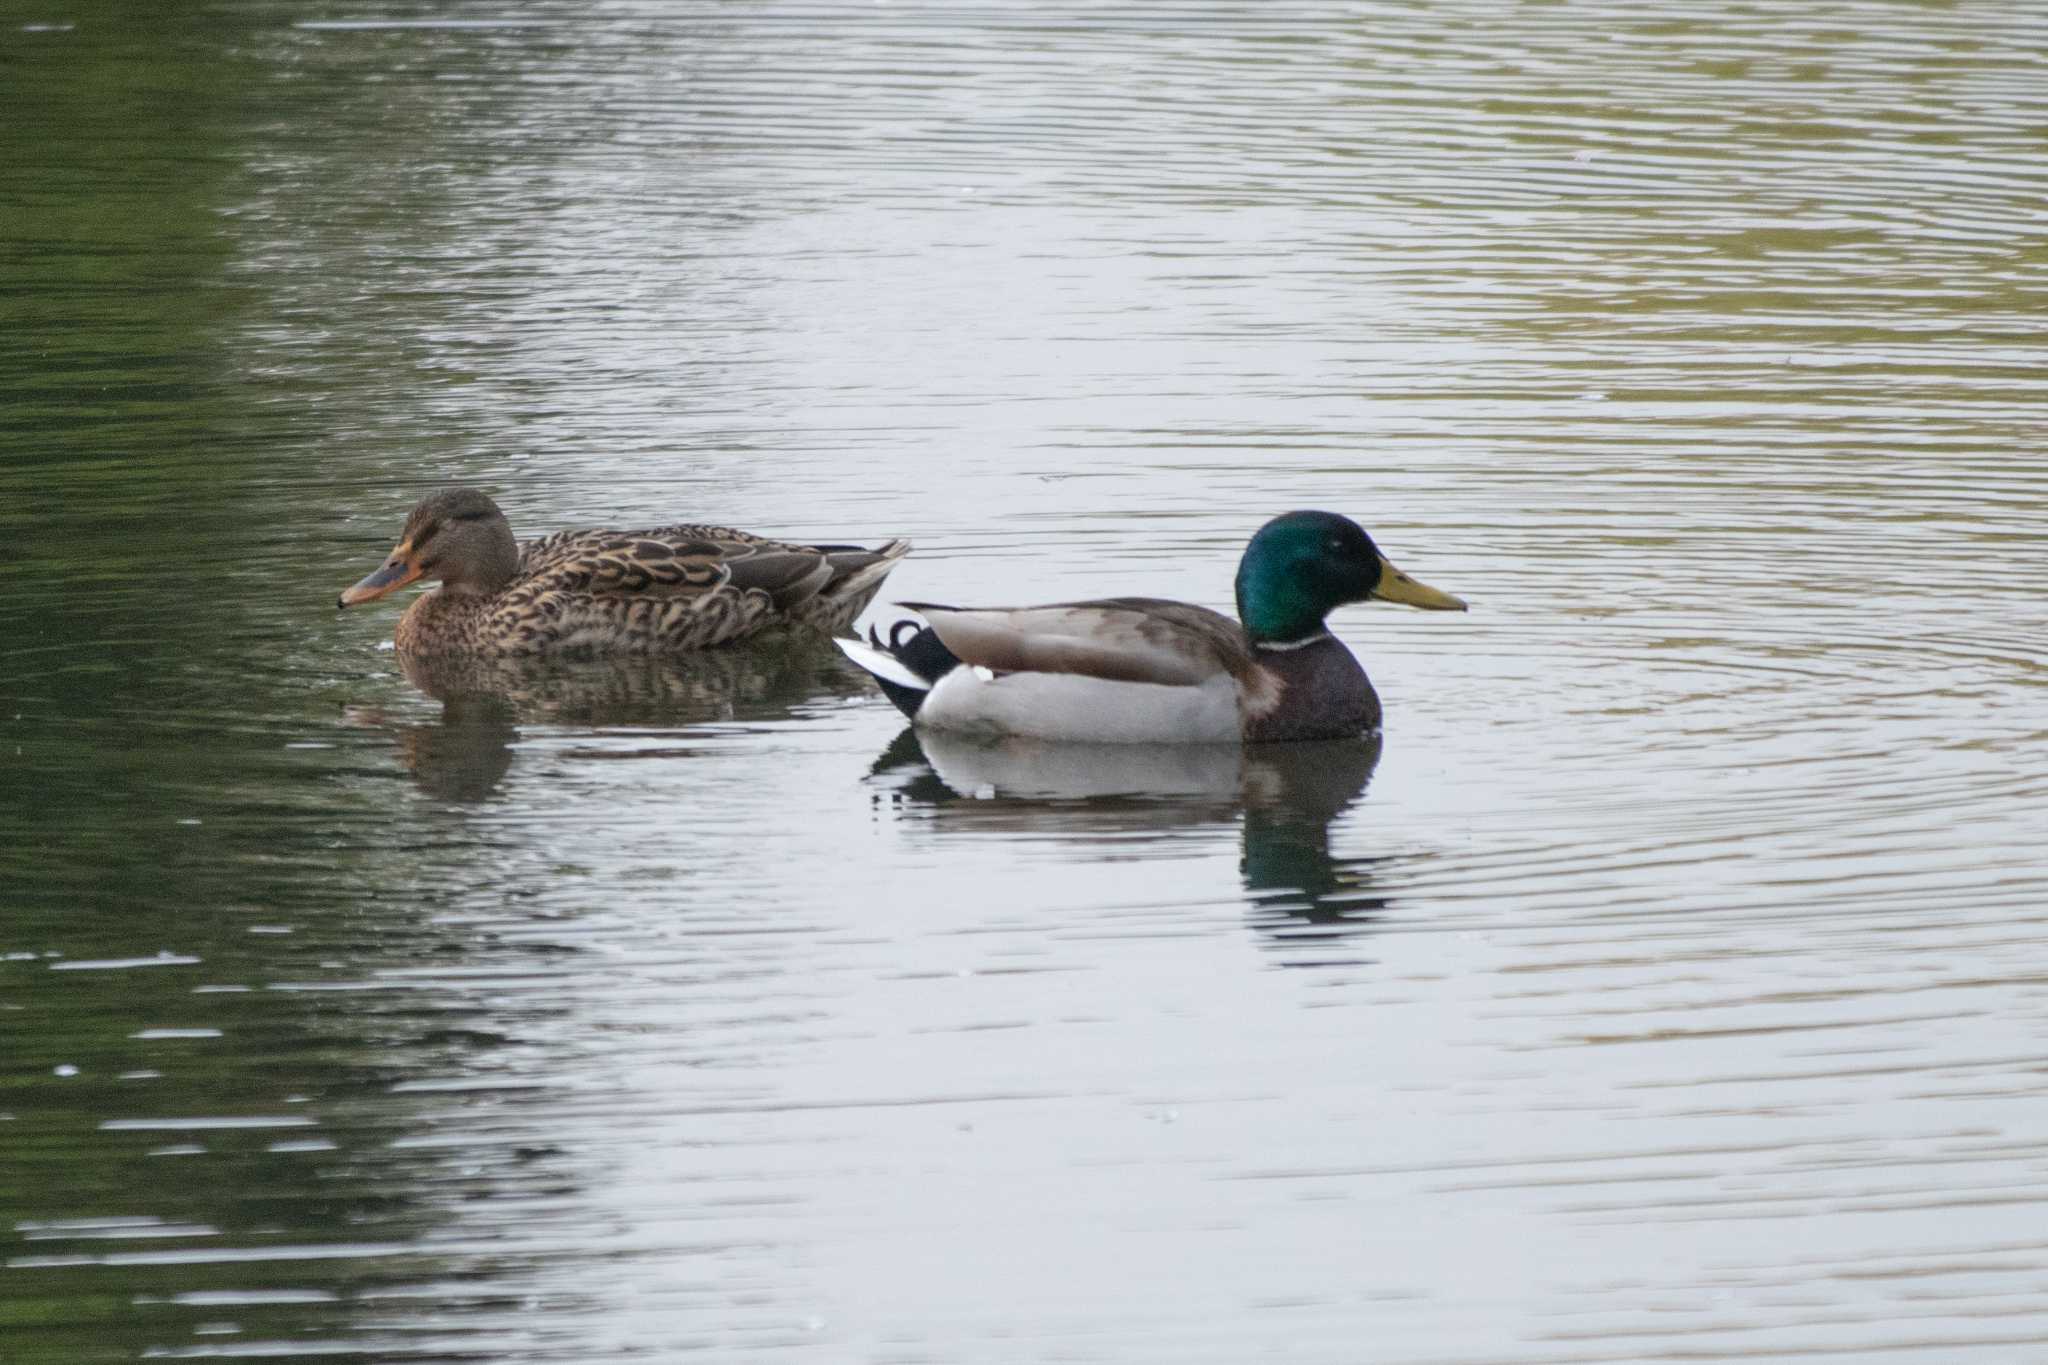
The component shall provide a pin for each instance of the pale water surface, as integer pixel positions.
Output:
(1668, 984)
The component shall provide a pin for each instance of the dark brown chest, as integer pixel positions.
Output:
(1324, 694)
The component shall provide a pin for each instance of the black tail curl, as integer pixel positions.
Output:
(918, 648)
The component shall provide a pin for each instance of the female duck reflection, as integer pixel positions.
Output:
(1287, 795)
(467, 752)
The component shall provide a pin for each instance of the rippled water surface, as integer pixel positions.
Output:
(1667, 983)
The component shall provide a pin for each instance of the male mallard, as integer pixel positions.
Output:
(1143, 670)
(632, 592)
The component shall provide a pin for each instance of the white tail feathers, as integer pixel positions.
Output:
(881, 663)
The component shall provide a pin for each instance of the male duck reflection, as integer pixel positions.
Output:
(629, 592)
(1283, 798)
(1144, 670)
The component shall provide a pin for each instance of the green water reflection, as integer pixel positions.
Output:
(182, 885)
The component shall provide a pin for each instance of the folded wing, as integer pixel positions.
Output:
(692, 585)
(1118, 639)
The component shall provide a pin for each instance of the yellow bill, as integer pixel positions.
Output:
(1395, 586)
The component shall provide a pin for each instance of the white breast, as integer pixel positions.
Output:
(1092, 710)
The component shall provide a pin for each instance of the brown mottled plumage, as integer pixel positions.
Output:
(665, 590)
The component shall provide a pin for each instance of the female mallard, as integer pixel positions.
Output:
(632, 592)
(1143, 670)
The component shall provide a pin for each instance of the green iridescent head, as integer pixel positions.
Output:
(1302, 565)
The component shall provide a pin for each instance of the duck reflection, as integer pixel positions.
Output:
(1298, 891)
(465, 755)
(1284, 795)
(468, 750)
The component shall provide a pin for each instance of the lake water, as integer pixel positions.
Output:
(1667, 983)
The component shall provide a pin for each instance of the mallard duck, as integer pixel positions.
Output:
(628, 592)
(1145, 670)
